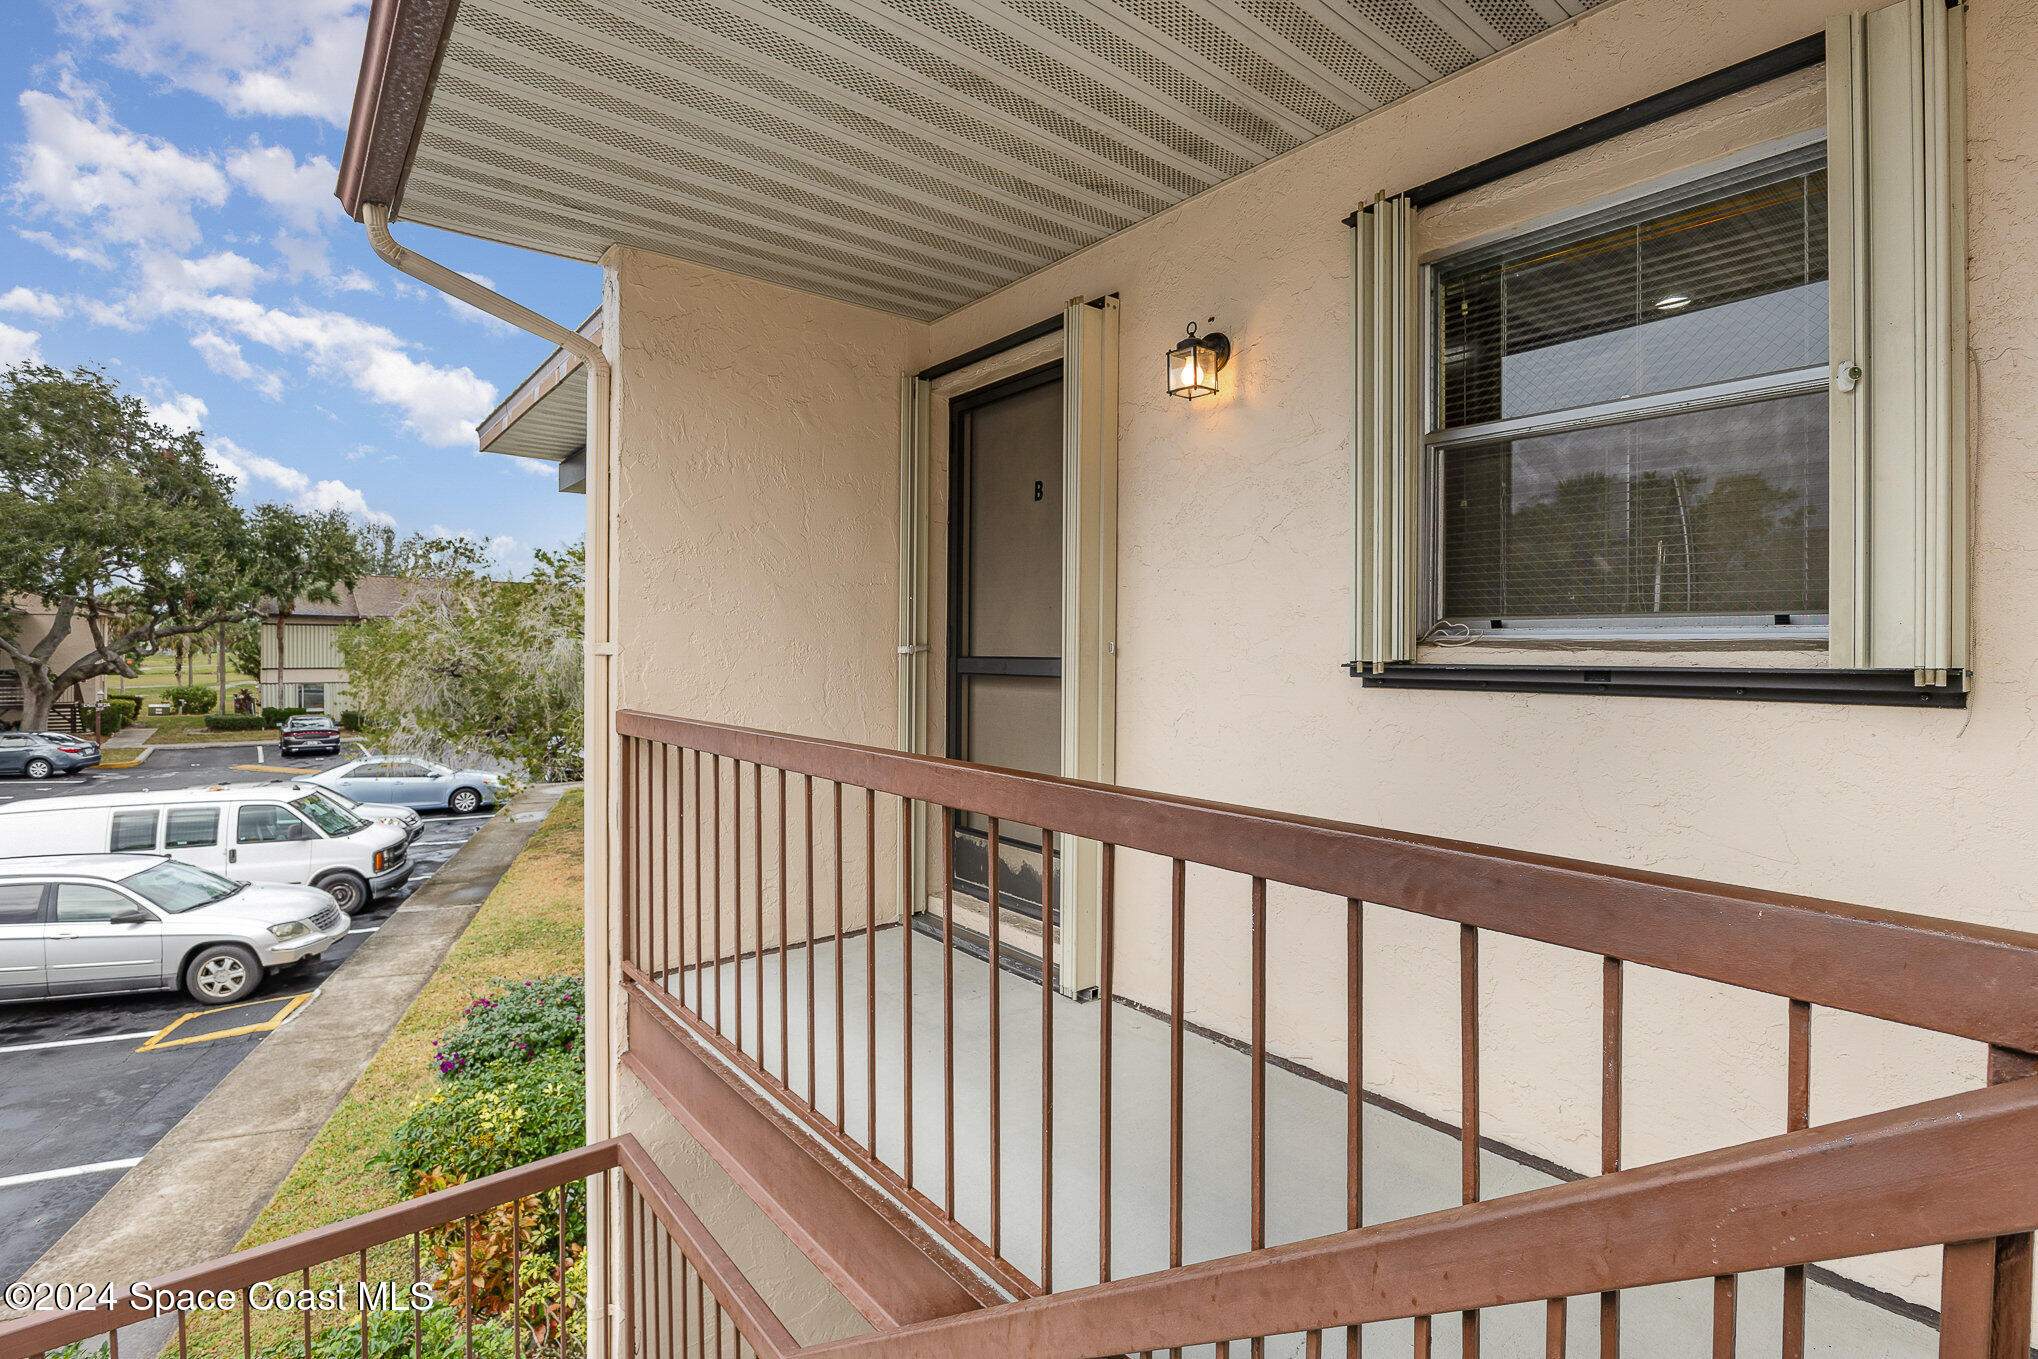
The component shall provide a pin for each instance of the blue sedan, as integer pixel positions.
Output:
(410, 782)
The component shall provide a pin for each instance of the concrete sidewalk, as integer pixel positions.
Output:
(196, 1193)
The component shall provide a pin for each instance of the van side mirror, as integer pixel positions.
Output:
(134, 915)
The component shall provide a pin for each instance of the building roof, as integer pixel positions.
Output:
(911, 156)
(371, 597)
(546, 416)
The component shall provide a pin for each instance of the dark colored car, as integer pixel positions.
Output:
(310, 734)
(39, 756)
(65, 738)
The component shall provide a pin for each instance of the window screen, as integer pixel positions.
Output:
(1554, 503)
(133, 831)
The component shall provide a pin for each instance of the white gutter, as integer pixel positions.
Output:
(603, 930)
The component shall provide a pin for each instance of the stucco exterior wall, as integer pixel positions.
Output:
(758, 512)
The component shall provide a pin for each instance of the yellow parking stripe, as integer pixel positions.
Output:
(162, 1039)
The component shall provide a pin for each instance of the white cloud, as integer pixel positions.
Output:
(301, 195)
(75, 251)
(19, 346)
(224, 357)
(265, 57)
(242, 466)
(30, 302)
(183, 413)
(441, 405)
(165, 277)
(79, 166)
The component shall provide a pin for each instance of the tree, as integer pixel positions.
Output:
(244, 649)
(118, 525)
(474, 666)
(382, 553)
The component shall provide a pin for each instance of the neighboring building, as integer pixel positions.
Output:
(301, 662)
(1620, 486)
(30, 619)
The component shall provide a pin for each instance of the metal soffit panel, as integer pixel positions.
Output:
(907, 155)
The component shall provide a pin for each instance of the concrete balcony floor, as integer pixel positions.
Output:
(1410, 1166)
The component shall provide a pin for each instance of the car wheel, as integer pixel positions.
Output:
(464, 800)
(39, 768)
(349, 891)
(220, 974)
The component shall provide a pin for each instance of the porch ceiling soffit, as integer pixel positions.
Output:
(546, 416)
(907, 155)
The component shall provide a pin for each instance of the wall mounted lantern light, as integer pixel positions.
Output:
(1193, 364)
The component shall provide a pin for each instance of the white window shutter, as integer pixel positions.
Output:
(1898, 264)
(1387, 434)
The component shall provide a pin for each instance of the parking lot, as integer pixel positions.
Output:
(88, 1085)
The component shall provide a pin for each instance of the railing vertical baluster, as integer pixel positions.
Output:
(1612, 1012)
(558, 1278)
(906, 972)
(807, 821)
(870, 970)
(1797, 1115)
(1106, 977)
(516, 1272)
(1047, 954)
(1421, 1348)
(996, 1091)
(700, 860)
(1725, 1290)
(1556, 1324)
(736, 897)
(715, 876)
(184, 1339)
(686, 1345)
(627, 1230)
(841, 1033)
(1177, 987)
(659, 834)
(1468, 1052)
(1355, 1056)
(1312, 1345)
(757, 897)
(948, 1011)
(1258, 1147)
(626, 771)
(248, 1316)
(417, 1320)
(304, 1314)
(785, 944)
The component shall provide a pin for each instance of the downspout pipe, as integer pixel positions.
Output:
(604, 883)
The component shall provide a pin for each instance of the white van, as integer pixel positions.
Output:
(251, 832)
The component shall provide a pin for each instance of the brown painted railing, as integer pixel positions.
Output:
(316, 1291)
(738, 931)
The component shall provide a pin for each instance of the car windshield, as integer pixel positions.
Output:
(177, 887)
(328, 815)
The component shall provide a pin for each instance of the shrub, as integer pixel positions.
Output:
(495, 1121)
(276, 717)
(193, 698)
(114, 714)
(514, 1026)
(233, 722)
(350, 720)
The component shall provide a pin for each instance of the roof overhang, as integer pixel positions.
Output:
(546, 416)
(907, 155)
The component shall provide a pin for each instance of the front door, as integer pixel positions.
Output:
(1005, 551)
(271, 844)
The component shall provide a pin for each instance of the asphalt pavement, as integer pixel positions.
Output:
(88, 1084)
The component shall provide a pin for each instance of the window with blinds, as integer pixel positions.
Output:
(1629, 424)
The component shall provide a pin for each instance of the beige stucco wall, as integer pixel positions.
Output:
(757, 431)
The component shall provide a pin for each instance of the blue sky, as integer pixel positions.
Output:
(169, 169)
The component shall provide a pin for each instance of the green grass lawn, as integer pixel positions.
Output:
(190, 727)
(159, 673)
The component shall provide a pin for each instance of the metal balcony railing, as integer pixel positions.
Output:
(766, 876)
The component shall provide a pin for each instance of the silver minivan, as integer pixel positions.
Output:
(79, 924)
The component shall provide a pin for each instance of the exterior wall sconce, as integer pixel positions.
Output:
(1194, 363)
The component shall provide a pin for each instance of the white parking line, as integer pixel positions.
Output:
(68, 1171)
(76, 1042)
